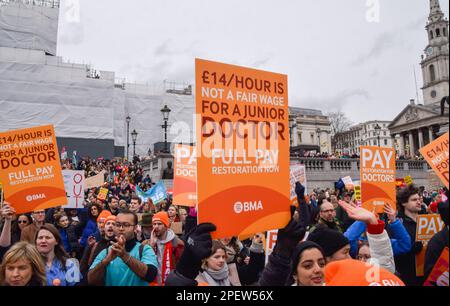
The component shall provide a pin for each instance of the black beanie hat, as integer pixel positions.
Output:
(330, 240)
(444, 211)
(303, 246)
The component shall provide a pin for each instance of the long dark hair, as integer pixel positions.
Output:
(15, 226)
(60, 253)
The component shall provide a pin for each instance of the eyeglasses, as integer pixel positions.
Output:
(39, 212)
(22, 221)
(327, 211)
(124, 225)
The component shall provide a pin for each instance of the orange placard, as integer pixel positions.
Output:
(242, 149)
(185, 177)
(377, 166)
(428, 226)
(436, 154)
(30, 169)
(439, 274)
(102, 194)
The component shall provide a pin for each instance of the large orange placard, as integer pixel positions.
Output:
(242, 148)
(30, 169)
(436, 154)
(377, 171)
(185, 176)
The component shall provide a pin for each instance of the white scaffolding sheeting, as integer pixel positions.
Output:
(29, 25)
(37, 89)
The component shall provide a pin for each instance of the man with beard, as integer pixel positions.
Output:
(327, 215)
(168, 247)
(126, 262)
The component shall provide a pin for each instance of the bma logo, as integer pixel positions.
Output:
(240, 207)
(35, 197)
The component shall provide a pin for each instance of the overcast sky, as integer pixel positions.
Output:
(334, 56)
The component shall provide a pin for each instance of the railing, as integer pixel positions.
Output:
(349, 164)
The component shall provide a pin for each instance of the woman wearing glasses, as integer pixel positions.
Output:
(17, 227)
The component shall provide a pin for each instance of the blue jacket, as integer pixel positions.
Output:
(90, 230)
(400, 240)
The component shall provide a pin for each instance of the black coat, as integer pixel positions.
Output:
(434, 250)
(406, 263)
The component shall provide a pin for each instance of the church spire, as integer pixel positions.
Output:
(436, 13)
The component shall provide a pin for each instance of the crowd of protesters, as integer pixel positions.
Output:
(124, 241)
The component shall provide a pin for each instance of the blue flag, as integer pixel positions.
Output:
(157, 193)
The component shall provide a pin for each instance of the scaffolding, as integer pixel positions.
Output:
(43, 3)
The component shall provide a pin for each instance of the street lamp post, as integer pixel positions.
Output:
(318, 137)
(377, 132)
(165, 111)
(128, 120)
(134, 135)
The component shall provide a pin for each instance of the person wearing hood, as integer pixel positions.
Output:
(438, 242)
(167, 246)
(91, 229)
(308, 265)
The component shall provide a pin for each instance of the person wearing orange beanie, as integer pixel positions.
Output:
(168, 247)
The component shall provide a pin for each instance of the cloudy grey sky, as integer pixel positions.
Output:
(334, 56)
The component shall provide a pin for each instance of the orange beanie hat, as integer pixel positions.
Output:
(350, 272)
(163, 217)
(103, 215)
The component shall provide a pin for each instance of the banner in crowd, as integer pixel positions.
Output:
(377, 177)
(95, 181)
(271, 240)
(30, 169)
(102, 194)
(439, 274)
(349, 185)
(427, 226)
(242, 148)
(297, 174)
(74, 184)
(436, 154)
(157, 193)
(185, 177)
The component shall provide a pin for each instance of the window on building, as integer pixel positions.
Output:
(431, 34)
(385, 142)
(300, 137)
(445, 31)
(432, 73)
(438, 33)
(385, 133)
(312, 137)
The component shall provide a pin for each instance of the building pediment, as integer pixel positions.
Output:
(413, 113)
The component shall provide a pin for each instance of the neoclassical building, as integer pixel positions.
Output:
(419, 124)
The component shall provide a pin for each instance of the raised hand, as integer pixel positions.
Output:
(390, 212)
(359, 213)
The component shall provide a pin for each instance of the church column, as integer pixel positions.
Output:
(412, 149)
(421, 143)
(401, 145)
(430, 133)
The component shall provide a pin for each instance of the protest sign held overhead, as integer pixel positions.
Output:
(30, 169)
(185, 178)
(377, 178)
(436, 154)
(297, 174)
(242, 147)
(74, 184)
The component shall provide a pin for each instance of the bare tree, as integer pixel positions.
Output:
(339, 122)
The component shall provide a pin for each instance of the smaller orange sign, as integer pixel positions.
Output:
(439, 274)
(377, 178)
(436, 154)
(271, 240)
(185, 177)
(428, 226)
(102, 194)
